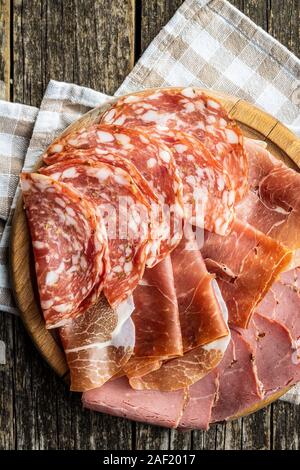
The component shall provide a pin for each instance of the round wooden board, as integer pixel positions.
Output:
(254, 123)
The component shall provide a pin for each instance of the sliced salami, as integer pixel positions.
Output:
(69, 247)
(208, 195)
(153, 160)
(126, 213)
(192, 111)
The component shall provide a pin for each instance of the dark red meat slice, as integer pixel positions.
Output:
(192, 111)
(273, 204)
(246, 263)
(126, 213)
(69, 247)
(156, 319)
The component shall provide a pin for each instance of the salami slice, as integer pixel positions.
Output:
(192, 111)
(69, 247)
(126, 213)
(153, 160)
(208, 195)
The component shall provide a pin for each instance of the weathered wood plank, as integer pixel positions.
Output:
(5, 52)
(284, 23)
(257, 10)
(79, 41)
(154, 15)
(285, 426)
(151, 437)
(7, 381)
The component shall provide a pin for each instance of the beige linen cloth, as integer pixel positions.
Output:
(208, 43)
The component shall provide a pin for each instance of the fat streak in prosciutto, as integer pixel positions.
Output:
(192, 111)
(70, 248)
(126, 213)
(98, 344)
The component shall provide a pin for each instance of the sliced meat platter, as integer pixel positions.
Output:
(166, 249)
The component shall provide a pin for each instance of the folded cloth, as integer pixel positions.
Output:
(207, 43)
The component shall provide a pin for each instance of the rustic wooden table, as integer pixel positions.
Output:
(96, 43)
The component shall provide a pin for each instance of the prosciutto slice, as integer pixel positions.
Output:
(156, 319)
(246, 263)
(117, 398)
(273, 204)
(98, 344)
(126, 213)
(203, 321)
(192, 111)
(69, 245)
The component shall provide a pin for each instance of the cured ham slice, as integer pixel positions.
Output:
(202, 395)
(239, 386)
(246, 263)
(201, 317)
(273, 204)
(126, 213)
(153, 160)
(98, 344)
(203, 321)
(156, 319)
(119, 399)
(69, 245)
(192, 111)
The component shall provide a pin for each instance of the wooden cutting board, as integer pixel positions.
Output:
(254, 122)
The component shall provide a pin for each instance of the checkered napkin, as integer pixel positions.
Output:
(208, 43)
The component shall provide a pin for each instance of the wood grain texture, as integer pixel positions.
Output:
(46, 41)
(5, 52)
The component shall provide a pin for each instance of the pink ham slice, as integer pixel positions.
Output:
(153, 162)
(189, 110)
(156, 319)
(282, 304)
(276, 360)
(70, 248)
(202, 320)
(246, 263)
(118, 201)
(119, 399)
(202, 395)
(239, 386)
(273, 204)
